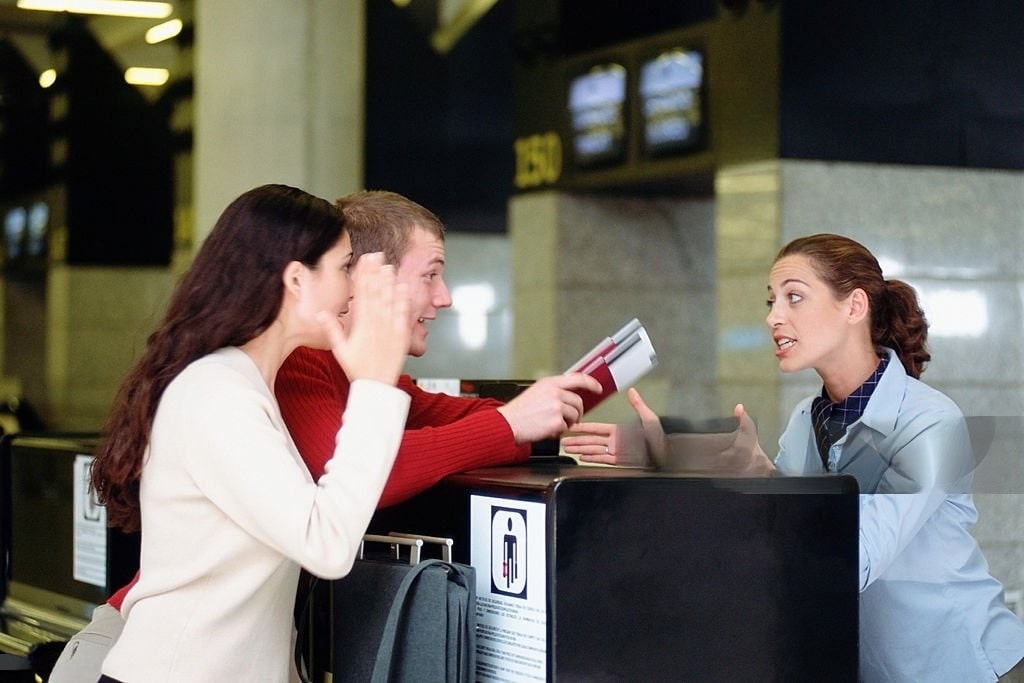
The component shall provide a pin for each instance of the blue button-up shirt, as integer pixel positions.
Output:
(929, 609)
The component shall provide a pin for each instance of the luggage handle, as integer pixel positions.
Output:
(414, 542)
(445, 543)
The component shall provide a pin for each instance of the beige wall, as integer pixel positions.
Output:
(97, 321)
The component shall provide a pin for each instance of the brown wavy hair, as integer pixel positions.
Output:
(897, 320)
(230, 294)
(378, 220)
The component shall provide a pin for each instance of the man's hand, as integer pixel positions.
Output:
(548, 407)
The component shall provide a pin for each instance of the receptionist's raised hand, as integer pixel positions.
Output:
(745, 457)
(654, 433)
(548, 407)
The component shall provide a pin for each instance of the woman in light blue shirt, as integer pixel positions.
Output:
(929, 609)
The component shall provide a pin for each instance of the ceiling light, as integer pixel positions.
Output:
(455, 18)
(117, 8)
(47, 78)
(164, 31)
(140, 75)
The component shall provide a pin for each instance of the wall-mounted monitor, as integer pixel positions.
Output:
(15, 227)
(597, 108)
(27, 225)
(671, 90)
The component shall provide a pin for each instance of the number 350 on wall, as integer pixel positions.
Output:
(538, 160)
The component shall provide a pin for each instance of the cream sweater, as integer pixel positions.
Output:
(230, 512)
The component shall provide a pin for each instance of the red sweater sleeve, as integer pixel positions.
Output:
(444, 434)
(117, 598)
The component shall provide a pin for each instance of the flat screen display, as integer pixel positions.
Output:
(671, 88)
(25, 236)
(597, 108)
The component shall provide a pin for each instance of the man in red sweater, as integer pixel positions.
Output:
(444, 434)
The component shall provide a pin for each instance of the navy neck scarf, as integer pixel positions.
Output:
(830, 420)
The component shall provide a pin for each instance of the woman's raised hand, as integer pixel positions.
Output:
(374, 342)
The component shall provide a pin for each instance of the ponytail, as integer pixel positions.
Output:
(899, 323)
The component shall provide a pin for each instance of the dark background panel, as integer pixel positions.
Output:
(916, 82)
(439, 126)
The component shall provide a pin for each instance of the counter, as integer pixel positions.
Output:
(614, 574)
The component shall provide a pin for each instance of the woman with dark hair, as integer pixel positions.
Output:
(929, 609)
(196, 454)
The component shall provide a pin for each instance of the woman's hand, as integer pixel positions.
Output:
(719, 454)
(374, 342)
(607, 444)
(745, 456)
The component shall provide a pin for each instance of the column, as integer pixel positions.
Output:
(278, 99)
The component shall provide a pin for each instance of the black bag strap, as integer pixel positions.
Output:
(462, 659)
(302, 630)
(382, 667)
